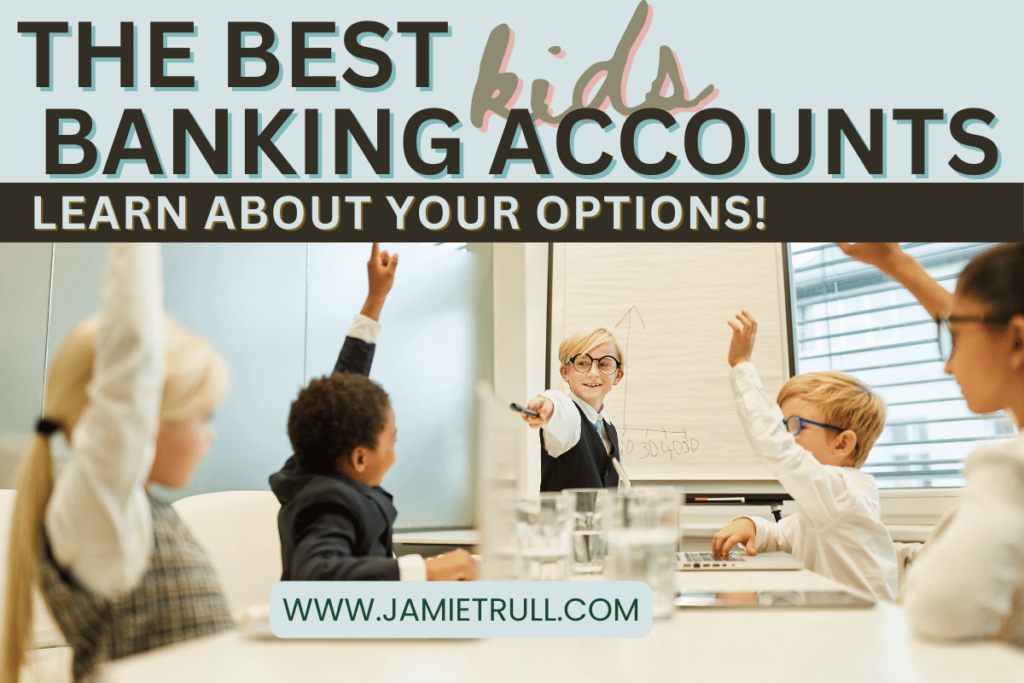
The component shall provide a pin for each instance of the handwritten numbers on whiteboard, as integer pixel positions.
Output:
(670, 444)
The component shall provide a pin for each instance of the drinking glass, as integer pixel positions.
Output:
(543, 537)
(589, 508)
(643, 537)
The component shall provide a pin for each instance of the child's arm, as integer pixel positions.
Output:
(380, 271)
(891, 260)
(325, 553)
(755, 534)
(820, 491)
(559, 419)
(962, 584)
(98, 520)
(357, 352)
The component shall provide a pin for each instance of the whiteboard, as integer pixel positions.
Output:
(667, 305)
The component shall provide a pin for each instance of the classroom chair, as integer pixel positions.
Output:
(239, 531)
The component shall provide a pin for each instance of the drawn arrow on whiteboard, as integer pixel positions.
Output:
(628, 317)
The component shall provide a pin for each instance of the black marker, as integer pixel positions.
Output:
(524, 411)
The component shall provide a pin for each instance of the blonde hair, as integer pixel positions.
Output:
(196, 377)
(845, 402)
(583, 341)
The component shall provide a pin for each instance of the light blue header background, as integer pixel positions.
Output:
(779, 55)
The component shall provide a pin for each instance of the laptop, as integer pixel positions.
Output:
(736, 560)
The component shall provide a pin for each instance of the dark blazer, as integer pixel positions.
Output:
(587, 465)
(334, 528)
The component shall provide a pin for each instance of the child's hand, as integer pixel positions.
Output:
(742, 338)
(739, 531)
(380, 270)
(458, 565)
(878, 254)
(542, 405)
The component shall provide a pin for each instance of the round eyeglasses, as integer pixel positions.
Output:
(606, 365)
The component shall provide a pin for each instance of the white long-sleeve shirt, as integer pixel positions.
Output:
(837, 530)
(563, 430)
(968, 580)
(98, 521)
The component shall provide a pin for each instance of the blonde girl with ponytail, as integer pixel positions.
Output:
(131, 392)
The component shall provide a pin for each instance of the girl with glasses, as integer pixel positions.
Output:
(968, 581)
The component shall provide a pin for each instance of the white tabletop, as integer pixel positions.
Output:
(788, 646)
(460, 537)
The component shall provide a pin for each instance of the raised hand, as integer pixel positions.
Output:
(380, 271)
(881, 255)
(743, 334)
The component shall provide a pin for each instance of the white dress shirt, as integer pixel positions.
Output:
(837, 530)
(563, 430)
(968, 580)
(98, 521)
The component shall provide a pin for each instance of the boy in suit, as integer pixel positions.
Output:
(335, 520)
(578, 441)
(814, 441)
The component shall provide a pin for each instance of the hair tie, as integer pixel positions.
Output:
(46, 427)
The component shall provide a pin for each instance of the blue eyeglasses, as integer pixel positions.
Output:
(795, 425)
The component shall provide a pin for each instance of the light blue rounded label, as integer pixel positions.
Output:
(479, 609)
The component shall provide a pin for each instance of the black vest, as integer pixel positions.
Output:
(587, 465)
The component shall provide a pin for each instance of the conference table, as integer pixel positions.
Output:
(764, 645)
